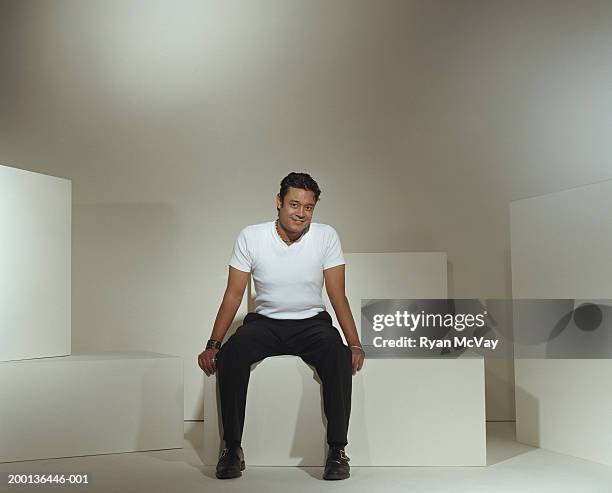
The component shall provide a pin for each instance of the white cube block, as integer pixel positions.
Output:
(405, 412)
(397, 275)
(35, 252)
(566, 406)
(561, 244)
(86, 404)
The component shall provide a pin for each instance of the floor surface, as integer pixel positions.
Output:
(512, 467)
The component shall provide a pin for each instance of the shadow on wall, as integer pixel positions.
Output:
(124, 264)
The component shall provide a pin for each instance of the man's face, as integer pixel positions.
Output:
(295, 211)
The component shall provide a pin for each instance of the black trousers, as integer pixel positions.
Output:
(313, 339)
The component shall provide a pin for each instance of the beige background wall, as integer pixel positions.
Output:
(421, 121)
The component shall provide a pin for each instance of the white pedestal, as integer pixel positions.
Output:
(35, 252)
(561, 245)
(565, 405)
(86, 404)
(405, 412)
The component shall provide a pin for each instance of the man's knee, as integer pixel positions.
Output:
(348, 354)
(340, 352)
(234, 351)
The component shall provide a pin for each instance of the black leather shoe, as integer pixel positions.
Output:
(337, 465)
(231, 463)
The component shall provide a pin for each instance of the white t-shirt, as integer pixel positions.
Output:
(288, 278)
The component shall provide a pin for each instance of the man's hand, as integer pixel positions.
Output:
(358, 358)
(236, 285)
(207, 361)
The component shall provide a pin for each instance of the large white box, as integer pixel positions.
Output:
(35, 251)
(86, 404)
(561, 244)
(566, 406)
(414, 412)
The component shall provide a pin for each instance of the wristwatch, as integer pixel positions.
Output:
(212, 344)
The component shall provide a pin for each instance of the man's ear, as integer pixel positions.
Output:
(279, 202)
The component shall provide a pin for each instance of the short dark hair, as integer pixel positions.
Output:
(299, 180)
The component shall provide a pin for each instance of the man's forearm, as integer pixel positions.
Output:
(225, 316)
(345, 318)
